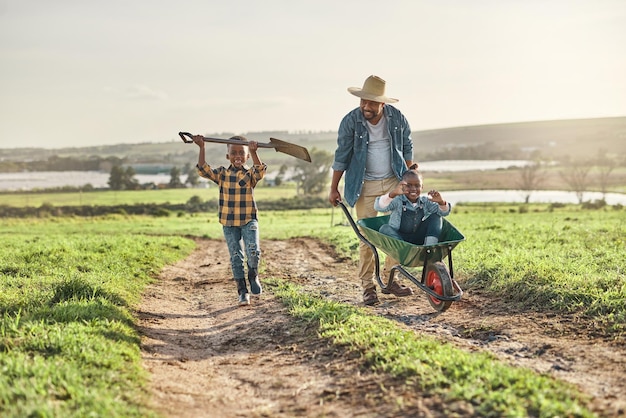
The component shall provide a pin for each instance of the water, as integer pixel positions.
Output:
(467, 165)
(42, 180)
(540, 196)
(98, 179)
(52, 179)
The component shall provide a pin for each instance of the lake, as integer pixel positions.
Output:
(540, 196)
(99, 179)
(50, 179)
(47, 179)
(467, 165)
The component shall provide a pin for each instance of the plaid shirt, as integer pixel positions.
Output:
(236, 204)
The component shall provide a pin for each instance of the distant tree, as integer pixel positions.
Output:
(175, 182)
(312, 177)
(278, 180)
(116, 178)
(606, 164)
(577, 177)
(192, 175)
(531, 177)
(122, 179)
(130, 182)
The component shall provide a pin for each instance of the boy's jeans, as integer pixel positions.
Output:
(239, 238)
(431, 227)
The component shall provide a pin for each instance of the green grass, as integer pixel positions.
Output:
(273, 225)
(68, 287)
(566, 261)
(69, 346)
(132, 197)
(492, 388)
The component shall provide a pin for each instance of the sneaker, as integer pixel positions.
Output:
(255, 284)
(398, 289)
(370, 297)
(244, 299)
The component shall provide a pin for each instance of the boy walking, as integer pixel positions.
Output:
(238, 210)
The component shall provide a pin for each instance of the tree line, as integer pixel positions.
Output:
(311, 178)
(57, 163)
(575, 173)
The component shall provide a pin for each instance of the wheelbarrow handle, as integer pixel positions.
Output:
(364, 240)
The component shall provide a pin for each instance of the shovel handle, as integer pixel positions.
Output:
(183, 135)
(220, 140)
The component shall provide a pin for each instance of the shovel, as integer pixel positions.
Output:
(280, 146)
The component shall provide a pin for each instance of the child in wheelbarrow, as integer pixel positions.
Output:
(237, 209)
(413, 218)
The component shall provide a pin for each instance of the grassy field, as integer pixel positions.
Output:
(132, 197)
(66, 302)
(69, 346)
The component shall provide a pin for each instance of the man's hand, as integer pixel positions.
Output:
(334, 196)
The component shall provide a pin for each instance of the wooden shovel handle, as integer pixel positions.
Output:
(221, 141)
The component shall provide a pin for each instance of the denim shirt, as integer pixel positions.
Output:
(351, 152)
(396, 207)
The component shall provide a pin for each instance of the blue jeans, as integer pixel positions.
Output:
(431, 227)
(238, 239)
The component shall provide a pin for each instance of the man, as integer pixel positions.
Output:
(374, 149)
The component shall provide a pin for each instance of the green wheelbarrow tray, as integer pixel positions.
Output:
(408, 254)
(437, 280)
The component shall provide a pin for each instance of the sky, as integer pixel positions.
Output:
(79, 73)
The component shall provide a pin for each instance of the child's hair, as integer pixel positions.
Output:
(243, 139)
(412, 172)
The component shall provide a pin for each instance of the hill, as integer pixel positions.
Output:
(561, 139)
(576, 138)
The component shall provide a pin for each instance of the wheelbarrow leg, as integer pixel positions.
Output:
(424, 266)
(450, 262)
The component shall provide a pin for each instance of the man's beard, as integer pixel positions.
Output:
(366, 113)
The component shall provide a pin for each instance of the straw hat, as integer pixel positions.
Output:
(373, 89)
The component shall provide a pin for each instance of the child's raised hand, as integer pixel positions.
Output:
(198, 140)
(398, 190)
(435, 196)
(253, 146)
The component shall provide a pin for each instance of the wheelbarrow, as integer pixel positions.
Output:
(437, 279)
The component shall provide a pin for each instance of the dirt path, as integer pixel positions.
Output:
(209, 357)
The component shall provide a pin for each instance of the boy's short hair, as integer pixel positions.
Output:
(243, 139)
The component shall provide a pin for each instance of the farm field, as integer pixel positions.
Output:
(146, 302)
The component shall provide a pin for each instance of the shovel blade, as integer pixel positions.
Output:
(291, 149)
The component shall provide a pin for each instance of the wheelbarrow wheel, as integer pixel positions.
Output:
(438, 279)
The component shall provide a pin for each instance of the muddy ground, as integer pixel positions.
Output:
(208, 357)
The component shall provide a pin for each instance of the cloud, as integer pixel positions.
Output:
(141, 92)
